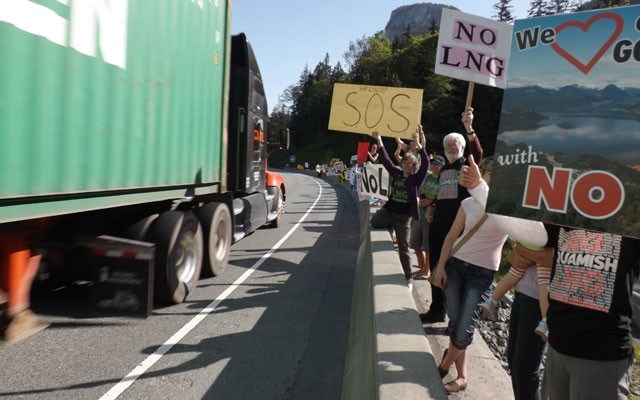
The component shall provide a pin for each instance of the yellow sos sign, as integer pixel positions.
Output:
(391, 111)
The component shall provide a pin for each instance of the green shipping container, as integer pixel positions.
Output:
(110, 103)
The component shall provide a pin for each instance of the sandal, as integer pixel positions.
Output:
(420, 276)
(455, 387)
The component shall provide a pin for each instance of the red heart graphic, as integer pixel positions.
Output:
(585, 27)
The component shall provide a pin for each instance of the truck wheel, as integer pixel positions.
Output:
(142, 230)
(216, 225)
(178, 238)
(278, 221)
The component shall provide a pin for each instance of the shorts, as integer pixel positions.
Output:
(419, 238)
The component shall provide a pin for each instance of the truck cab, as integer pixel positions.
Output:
(259, 195)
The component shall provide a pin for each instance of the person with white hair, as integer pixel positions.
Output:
(442, 212)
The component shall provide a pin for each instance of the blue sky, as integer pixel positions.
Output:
(286, 35)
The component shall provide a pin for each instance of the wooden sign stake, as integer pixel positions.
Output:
(469, 96)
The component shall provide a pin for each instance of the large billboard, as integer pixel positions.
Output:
(568, 148)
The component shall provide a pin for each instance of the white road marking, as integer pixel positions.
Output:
(138, 371)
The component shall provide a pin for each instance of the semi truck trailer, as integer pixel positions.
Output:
(135, 119)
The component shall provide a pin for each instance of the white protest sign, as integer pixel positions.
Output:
(375, 181)
(473, 48)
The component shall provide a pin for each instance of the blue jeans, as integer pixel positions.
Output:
(525, 348)
(466, 284)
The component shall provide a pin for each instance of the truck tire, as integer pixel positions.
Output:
(178, 239)
(215, 219)
(280, 207)
(142, 230)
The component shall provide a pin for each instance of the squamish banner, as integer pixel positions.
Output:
(568, 146)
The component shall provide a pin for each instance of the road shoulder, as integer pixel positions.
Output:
(486, 377)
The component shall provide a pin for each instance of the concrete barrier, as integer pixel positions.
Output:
(359, 380)
(406, 367)
(388, 354)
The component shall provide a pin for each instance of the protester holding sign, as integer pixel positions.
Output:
(372, 157)
(403, 199)
(589, 315)
(403, 147)
(419, 240)
(372, 154)
(522, 232)
(442, 212)
(525, 349)
(466, 276)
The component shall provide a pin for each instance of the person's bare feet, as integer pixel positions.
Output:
(456, 385)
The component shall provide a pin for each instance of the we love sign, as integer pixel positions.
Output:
(568, 148)
(607, 25)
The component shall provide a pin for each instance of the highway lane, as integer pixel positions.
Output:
(274, 326)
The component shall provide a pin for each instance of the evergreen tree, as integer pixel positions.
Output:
(558, 7)
(537, 8)
(407, 34)
(280, 119)
(503, 11)
(578, 5)
(584, 5)
(433, 25)
(376, 60)
(614, 3)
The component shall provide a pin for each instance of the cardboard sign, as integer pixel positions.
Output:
(391, 111)
(363, 149)
(473, 48)
(568, 148)
(376, 181)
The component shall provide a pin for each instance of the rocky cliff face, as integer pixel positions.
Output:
(421, 17)
(418, 17)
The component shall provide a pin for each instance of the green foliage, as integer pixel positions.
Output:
(559, 7)
(503, 11)
(537, 8)
(597, 4)
(407, 62)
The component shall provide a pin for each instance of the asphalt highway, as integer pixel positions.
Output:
(274, 325)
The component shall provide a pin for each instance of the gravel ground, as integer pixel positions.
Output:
(495, 334)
